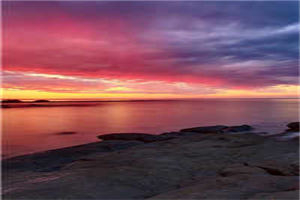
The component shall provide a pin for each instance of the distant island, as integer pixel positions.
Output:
(41, 101)
(11, 101)
(20, 101)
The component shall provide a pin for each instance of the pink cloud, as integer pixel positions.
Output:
(52, 40)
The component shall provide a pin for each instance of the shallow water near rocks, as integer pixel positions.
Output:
(32, 129)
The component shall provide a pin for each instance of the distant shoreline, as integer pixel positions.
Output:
(82, 103)
(118, 100)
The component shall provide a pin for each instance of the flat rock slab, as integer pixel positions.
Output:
(238, 187)
(135, 136)
(206, 129)
(53, 160)
(218, 129)
(200, 166)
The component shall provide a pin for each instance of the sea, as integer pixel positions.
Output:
(30, 129)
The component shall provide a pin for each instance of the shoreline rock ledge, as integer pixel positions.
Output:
(195, 163)
(219, 129)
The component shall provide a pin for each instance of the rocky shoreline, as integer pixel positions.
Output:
(215, 162)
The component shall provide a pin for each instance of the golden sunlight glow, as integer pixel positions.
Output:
(274, 91)
(33, 94)
(125, 89)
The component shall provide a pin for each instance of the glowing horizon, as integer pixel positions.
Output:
(150, 50)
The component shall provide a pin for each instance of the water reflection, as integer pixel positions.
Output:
(34, 129)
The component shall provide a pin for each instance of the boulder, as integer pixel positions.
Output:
(293, 127)
(206, 129)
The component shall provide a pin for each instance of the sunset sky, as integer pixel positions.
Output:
(142, 50)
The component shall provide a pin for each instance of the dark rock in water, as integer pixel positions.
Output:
(293, 126)
(41, 101)
(11, 101)
(66, 133)
(206, 129)
(241, 128)
(135, 136)
(127, 136)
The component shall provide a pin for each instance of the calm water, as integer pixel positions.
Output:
(32, 129)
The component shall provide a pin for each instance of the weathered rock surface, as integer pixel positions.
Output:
(55, 159)
(238, 187)
(188, 166)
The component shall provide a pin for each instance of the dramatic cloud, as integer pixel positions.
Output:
(151, 47)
